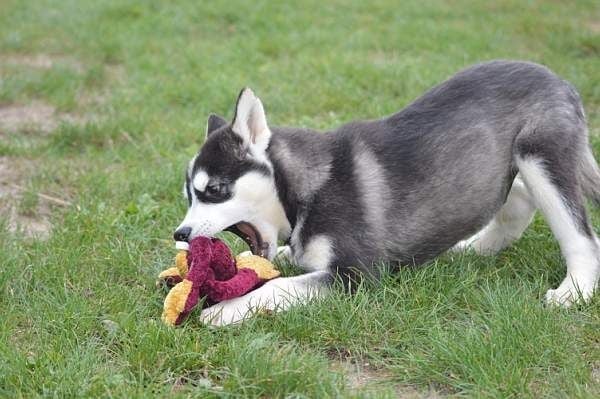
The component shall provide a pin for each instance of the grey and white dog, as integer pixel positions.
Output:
(464, 166)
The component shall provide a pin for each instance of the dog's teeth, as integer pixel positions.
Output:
(182, 245)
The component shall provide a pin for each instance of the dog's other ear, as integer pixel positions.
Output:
(250, 121)
(214, 122)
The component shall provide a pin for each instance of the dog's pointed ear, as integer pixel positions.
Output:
(214, 122)
(250, 121)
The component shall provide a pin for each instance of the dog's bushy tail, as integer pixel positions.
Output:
(590, 177)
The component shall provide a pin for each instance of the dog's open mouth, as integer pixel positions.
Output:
(252, 237)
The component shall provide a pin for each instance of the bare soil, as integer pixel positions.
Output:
(40, 61)
(365, 377)
(37, 116)
(14, 175)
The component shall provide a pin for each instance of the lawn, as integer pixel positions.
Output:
(102, 103)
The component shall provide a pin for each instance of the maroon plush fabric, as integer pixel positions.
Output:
(199, 260)
(223, 264)
(212, 271)
(238, 285)
(190, 304)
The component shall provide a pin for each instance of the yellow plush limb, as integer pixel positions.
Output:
(175, 302)
(170, 272)
(181, 263)
(263, 267)
(179, 270)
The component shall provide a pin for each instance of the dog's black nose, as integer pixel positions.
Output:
(182, 234)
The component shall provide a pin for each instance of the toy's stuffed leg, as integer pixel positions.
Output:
(174, 275)
(179, 302)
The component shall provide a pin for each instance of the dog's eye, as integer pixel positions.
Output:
(214, 192)
(213, 189)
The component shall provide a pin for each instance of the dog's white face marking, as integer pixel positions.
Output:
(190, 168)
(200, 180)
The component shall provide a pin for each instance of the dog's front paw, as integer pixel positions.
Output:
(222, 315)
(211, 316)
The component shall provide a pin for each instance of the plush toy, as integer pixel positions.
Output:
(207, 269)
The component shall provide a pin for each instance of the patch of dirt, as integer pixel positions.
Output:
(115, 75)
(594, 26)
(43, 117)
(115, 72)
(37, 116)
(14, 173)
(40, 61)
(363, 376)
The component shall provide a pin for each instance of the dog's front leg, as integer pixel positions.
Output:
(275, 295)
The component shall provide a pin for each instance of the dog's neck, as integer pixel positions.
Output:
(301, 161)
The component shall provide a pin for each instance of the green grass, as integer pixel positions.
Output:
(80, 312)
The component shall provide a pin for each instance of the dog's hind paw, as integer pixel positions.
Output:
(558, 298)
(568, 294)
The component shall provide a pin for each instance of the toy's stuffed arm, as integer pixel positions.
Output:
(222, 262)
(244, 281)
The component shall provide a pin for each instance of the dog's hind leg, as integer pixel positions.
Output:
(550, 162)
(507, 225)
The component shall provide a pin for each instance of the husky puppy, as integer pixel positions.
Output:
(464, 166)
